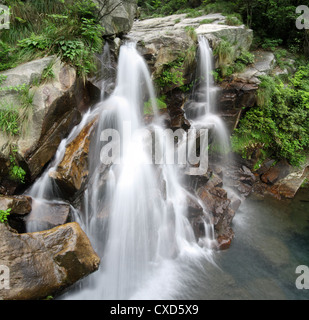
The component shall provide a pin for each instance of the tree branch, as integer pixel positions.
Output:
(103, 5)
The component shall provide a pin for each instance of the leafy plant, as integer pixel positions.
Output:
(17, 173)
(4, 215)
(246, 58)
(69, 30)
(271, 44)
(279, 124)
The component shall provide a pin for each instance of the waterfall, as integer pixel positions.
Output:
(134, 212)
(146, 223)
(201, 109)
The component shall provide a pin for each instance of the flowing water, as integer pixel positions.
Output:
(143, 227)
(135, 214)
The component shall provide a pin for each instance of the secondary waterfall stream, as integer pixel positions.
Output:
(136, 213)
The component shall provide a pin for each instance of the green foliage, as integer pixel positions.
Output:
(9, 120)
(271, 44)
(224, 7)
(228, 64)
(233, 20)
(191, 33)
(173, 73)
(14, 116)
(279, 125)
(160, 104)
(4, 215)
(69, 30)
(225, 52)
(207, 21)
(273, 21)
(246, 58)
(48, 73)
(17, 173)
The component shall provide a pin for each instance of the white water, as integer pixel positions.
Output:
(147, 225)
(134, 214)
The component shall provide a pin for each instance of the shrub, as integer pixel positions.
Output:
(69, 30)
(225, 52)
(279, 124)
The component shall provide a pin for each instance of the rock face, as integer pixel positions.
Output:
(263, 65)
(219, 205)
(55, 108)
(44, 263)
(164, 40)
(117, 16)
(281, 180)
(72, 172)
(46, 215)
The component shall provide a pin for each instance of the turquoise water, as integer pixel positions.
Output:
(272, 239)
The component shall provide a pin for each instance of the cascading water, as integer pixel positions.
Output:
(136, 213)
(201, 110)
(146, 223)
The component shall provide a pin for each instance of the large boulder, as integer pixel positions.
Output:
(117, 16)
(163, 40)
(43, 264)
(54, 107)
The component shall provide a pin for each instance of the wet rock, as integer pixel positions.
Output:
(278, 171)
(43, 264)
(19, 205)
(178, 120)
(46, 215)
(241, 180)
(72, 172)
(218, 206)
(225, 241)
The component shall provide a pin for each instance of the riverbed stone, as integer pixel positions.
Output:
(42, 264)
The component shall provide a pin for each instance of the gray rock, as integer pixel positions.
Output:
(163, 40)
(55, 109)
(118, 16)
(264, 64)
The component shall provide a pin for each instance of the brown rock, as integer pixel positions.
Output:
(19, 205)
(72, 171)
(44, 263)
(277, 172)
(225, 241)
